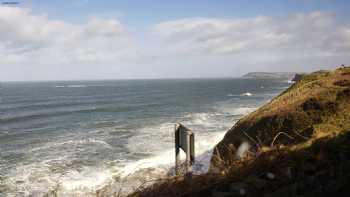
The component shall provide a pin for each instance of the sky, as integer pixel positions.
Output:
(93, 40)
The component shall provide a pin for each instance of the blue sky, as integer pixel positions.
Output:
(143, 12)
(157, 39)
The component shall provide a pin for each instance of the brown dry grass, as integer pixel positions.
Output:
(316, 106)
(312, 167)
(302, 137)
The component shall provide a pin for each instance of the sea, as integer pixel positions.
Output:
(81, 138)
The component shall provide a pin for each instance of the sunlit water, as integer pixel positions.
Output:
(78, 137)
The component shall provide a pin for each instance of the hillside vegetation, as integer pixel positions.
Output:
(317, 105)
(299, 146)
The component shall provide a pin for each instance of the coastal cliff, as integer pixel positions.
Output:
(298, 144)
(318, 104)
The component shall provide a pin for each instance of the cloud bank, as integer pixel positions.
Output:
(314, 35)
(35, 47)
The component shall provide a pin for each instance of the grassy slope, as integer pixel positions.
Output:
(313, 161)
(315, 106)
(321, 169)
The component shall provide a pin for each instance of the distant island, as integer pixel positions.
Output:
(269, 75)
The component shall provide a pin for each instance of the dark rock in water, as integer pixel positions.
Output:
(297, 77)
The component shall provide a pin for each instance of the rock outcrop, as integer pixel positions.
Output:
(297, 77)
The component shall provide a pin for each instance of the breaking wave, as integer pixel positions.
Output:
(77, 144)
(247, 94)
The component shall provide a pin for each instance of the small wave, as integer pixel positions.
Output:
(165, 159)
(104, 124)
(247, 94)
(198, 118)
(87, 141)
(86, 179)
(77, 86)
(71, 86)
(74, 142)
(38, 179)
(46, 114)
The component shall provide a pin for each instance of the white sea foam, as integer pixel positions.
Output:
(79, 163)
(165, 159)
(39, 179)
(236, 110)
(69, 142)
(87, 179)
(198, 118)
(34, 178)
(243, 110)
(247, 94)
(42, 177)
(209, 129)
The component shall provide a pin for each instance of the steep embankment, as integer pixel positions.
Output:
(300, 146)
(316, 105)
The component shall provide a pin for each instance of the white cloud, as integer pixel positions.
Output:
(31, 40)
(26, 34)
(36, 47)
(297, 36)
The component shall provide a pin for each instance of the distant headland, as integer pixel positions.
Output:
(269, 75)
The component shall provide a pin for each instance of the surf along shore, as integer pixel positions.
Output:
(298, 145)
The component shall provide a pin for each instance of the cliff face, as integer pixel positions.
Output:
(317, 105)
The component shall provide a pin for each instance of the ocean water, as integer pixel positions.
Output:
(77, 137)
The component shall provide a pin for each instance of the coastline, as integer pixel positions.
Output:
(298, 160)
